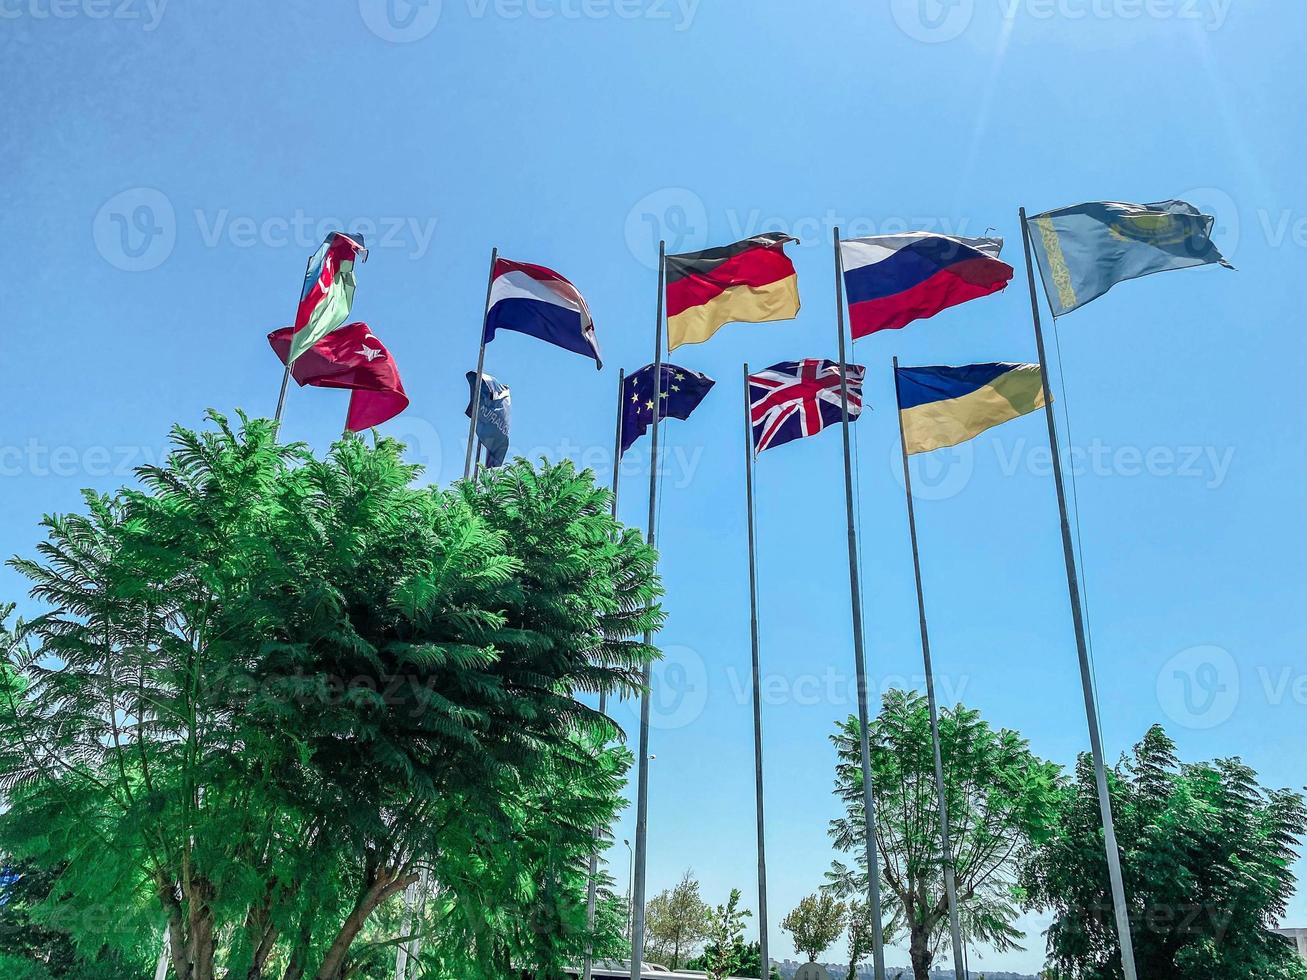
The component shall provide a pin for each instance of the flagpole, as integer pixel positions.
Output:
(481, 364)
(642, 800)
(617, 438)
(757, 682)
(285, 378)
(1119, 905)
(855, 598)
(946, 844)
(592, 896)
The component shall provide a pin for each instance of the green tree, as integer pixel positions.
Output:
(724, 953)
(1206, 855)
(860, 935)
(815, 923)
(272, 688)
(1001, 798)
(676, 922)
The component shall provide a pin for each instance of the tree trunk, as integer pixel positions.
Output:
(262, 953)
(382, 887)
(201, 923)
(920, 951)
(181, 963)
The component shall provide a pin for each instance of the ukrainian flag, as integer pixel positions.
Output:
(944, 406)
(1084, 251)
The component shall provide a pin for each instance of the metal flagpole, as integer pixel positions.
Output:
(1077, 618)
(950, 876)
(855, 596)
(285, 378)
(757, 681)
(642, 801)
(592, 897)
(481, 364)
(617, 442)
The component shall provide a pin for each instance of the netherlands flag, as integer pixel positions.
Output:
(892, 280)
(538, 301)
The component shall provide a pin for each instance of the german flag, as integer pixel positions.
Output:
(752, 281)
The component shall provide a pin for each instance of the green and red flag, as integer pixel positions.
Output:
(351, 357)
(328, 292)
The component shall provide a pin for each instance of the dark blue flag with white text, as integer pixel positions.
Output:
(682, 391)
(493, 416)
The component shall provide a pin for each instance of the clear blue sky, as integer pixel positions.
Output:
(168, 169)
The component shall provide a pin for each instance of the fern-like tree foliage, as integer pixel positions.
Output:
(272, 690)
(1206, 853)
(1002, 799)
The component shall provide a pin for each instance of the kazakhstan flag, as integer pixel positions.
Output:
(1085, 250)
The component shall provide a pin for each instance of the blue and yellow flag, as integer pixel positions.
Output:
(1085, 250)
(943, 406)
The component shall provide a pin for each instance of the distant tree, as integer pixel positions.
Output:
(860, 932)
(815, 923)
(724, 954)
(1001, 798)
(750, 961)
(676, 922)
(1206, 854)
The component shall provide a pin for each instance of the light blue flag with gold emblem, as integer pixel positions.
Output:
(1084, 251)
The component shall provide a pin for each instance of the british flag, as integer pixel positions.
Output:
(793, 399)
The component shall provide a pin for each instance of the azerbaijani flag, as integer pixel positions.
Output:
(944, 406)
(892, 280)
(328, 292)
(752, 281)
(533, 300)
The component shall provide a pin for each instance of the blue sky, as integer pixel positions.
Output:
(169, 167)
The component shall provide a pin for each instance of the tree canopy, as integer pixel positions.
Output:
(1001, 799)
(270, 690)
(1206, 854)
(677, 921)
(815, 923)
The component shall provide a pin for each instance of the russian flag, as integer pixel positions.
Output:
(538, 301)
(892, 280)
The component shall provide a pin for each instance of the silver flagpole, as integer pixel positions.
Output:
(642, 799)
(481, 364)
(617, 445)
(285, 378)
(1119, 904)
(592, 897)
(950, 876)
(855, 596)
(757, 682)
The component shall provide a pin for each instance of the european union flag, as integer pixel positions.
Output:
(681, 392)
(1085, 250)
(494, 412)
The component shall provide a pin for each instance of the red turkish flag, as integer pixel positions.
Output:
(350, 357)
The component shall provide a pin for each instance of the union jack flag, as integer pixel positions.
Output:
(793, 399)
